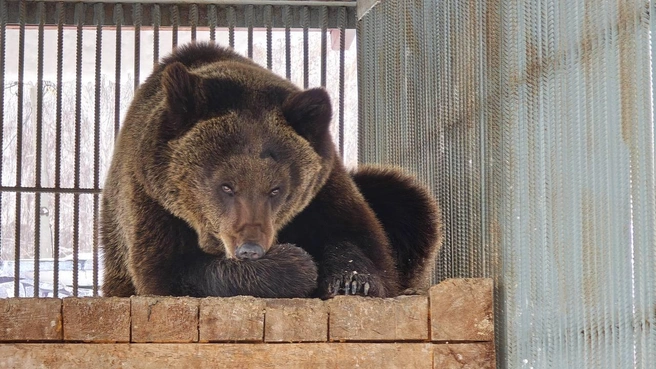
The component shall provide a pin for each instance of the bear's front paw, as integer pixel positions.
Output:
(286, 271)
(354, 283)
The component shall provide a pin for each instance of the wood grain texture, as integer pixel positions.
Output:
(95, 319)
(232, 319)
(30, 319)
(296, 320)
(461, 310)
(464, 356)
(202, 355)
(164, 319)
(355, 318)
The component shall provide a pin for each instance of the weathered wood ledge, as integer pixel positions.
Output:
(451, 327)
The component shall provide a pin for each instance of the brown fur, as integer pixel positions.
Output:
(410, 217)
(216, 152)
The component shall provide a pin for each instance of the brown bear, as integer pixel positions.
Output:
(225, 181)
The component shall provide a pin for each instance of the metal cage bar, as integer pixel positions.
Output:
(143, 10)
(79, 11)
(19, 140)
(96, 144)
(3, 38)
(157, 20)
(58, 148)
(39, 124)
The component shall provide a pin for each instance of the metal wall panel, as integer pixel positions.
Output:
(533, 123)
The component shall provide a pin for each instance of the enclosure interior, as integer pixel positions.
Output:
(530, 120)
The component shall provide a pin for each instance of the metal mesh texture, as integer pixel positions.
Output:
(68, 71)
(532, 121)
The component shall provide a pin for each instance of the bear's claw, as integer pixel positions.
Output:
(333, 288)
(351, 283)
(354, 287)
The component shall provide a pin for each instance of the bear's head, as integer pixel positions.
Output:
(241, 152)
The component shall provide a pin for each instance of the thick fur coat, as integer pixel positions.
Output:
(225, 181)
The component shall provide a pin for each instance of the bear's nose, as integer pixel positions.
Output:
(249, 251)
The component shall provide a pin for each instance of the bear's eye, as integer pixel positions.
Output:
(274, 192)
(227, 189)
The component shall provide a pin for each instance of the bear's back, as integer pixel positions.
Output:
(193, 56)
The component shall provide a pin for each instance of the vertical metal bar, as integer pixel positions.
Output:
(459, 135)
(19, 140)
(41, 15)
(342, 45)
(533, 137)
(651, 278)
(449, 194)
(137, 42)
(193, 20)
(609, 169)
(642, 189)
(363, 78)
(268, 10)
(480, 204)
(559, 185)
(374, 42)
(99, 10)
(305, 20)
(3, 38)
(118, 20)
(175, 22)
(212, 20)
(79, 20)
(232, 20)
(324, 43)
(393, 87)
(287, 20)
(61, 16)
(600, 313)
(157, 19)
(249, 24)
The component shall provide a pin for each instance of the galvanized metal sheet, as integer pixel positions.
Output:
(532, 121)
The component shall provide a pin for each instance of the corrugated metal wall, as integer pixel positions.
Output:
(532, 120)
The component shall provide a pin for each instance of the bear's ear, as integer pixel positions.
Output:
(309, 113)
(181, 88)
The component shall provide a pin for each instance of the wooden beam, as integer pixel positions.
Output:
(247, 355)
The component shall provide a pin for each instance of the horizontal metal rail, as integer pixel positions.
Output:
(242, 14)
(50, 190)
(211, 2)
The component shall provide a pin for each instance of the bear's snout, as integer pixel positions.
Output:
(249, 251)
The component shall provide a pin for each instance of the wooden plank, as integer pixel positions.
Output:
(30, 319)
(461, 310)
(164, 319)
(95, 319)
(204, 355)
(354, 318)
(233, 319)
(464, 356)
(296, 320)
